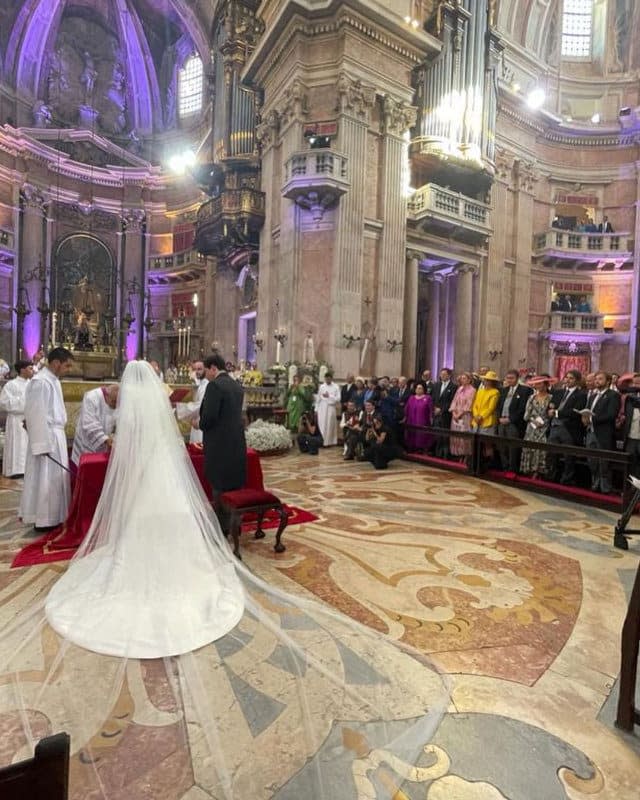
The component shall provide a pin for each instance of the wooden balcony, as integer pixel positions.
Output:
(602, 251)
(434, 209)
(231, 219)
(181, 267)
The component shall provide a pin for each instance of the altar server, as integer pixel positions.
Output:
(47, 488)
(326, 410)
(12, 400)
(96, 422)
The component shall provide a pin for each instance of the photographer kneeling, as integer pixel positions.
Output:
(309, 436)
(380, 445)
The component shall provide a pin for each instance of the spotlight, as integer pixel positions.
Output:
(595, 119)
(536, 98)
(180, 162)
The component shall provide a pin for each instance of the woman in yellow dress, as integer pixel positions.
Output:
(484, 411)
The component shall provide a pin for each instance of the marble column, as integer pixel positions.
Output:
(134, 271)
(410, 319)
(634, 339)
(551, 360)
(595, 348)
(32, 258)
(464, 317)
(435, 282)
(446, 335)
(209, 315)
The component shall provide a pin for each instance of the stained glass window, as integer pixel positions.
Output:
(577, 28)
(190, 84)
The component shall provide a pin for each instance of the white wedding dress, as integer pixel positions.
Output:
(263, 694)
(154, 546)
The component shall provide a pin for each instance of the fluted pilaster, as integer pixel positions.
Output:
(464, 317)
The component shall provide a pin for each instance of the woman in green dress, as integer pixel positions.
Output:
(298, 402)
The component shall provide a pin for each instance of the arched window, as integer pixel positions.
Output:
(190, 82)
(577, 28)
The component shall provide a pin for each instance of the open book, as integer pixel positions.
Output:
(635, 482)
(583, 411)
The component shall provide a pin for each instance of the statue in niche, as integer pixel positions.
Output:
(42, 117)
(57, 82)
(134, 145)
(83, 337)
(88, 77)
(170, 106)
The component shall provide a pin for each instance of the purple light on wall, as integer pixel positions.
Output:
(31, 335)
(132, 346)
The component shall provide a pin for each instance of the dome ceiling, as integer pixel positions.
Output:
(106, 64)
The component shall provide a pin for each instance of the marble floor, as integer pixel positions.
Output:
(517, 598)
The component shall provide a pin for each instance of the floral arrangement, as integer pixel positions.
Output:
(267, 437)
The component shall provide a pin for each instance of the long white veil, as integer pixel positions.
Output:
(155, 632)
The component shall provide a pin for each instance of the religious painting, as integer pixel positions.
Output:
(83, 282)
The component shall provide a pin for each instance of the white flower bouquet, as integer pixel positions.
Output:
(267, 437)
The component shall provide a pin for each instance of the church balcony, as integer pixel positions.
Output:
(316, 178)
(452, 214)
(575, 322)
(180, 267)
(557, 247)
(232, 219)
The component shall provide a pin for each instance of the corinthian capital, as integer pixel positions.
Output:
(397, 117)
(294, 105)
(133, 219)
(34, 197)
(267, 130)
(354, 98)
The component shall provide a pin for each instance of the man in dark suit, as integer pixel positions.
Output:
(511, 407)
(601, 430)
(225, 448)
(631, 420)
(347, 390)
(566, 427)
(443, 393)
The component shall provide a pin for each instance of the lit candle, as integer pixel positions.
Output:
(179, 342)
(188, 350)
(278, 349)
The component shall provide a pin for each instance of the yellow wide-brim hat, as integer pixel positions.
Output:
(490, 376)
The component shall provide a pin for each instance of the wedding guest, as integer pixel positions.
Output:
(358, 393)
(12, 401)
(511, 422)
(629, 386)
(460, 409)
(443, 393)
(347, 390)
(534, 462)
(326, 410)
(96, 422)
(418, 411)
(600, 431)
(47, 488)
(380, 447)
(310, 436)
(297, 403)
(351, 425)
(565, 424)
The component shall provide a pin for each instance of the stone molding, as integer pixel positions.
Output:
(267, 130)
(463, 269)
(526, 175)
(133, 220)
(34, 197)
(294, 107)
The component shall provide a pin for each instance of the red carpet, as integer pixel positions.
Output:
(52, 546)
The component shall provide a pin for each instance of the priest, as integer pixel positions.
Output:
(96, 422)
(47, 488)
(191, 411)
(12, 400)
(326, 409)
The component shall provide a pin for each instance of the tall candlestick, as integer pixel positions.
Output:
(278, 349)
(179, 343)
(188, 350)
(54, 320)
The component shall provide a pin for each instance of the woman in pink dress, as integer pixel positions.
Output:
(418, 411)
(460, 410)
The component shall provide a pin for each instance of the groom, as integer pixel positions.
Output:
(225, 449)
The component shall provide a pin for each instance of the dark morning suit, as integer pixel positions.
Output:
(631, 399)
(225, 449)
(567, 428)
(515, 428)
(442, 398)
(601, 435)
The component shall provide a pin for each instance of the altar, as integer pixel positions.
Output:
(94, 365)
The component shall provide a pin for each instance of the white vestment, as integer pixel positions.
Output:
(326, 411)
(191, 411)
(95, 425)
(15, 442)
(47, 488)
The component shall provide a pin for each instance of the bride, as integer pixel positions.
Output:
(156, 633)
(153, 545)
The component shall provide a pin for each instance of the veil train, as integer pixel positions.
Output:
(157, 641)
